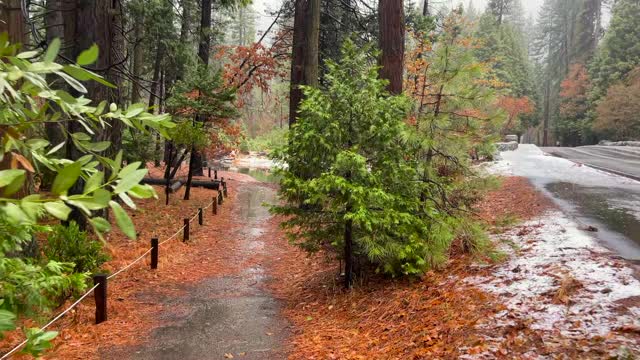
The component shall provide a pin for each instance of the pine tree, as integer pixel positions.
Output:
(349, 182)
(619, 52)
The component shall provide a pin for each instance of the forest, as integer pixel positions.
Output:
(376, 114)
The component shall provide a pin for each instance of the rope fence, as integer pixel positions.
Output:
(100, 281)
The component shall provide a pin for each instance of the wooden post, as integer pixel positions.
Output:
(185, 236)
(224, 189)
(100, 295)
(214, 206)
(200, 216)
(209, 173)
(215, 174)
(154, 253)
(220, 198)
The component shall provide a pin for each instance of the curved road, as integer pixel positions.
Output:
(621, 160)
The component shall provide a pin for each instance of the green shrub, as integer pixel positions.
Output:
(70, 244)
(275, 138)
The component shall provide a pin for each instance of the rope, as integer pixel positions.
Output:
(128, 266)
(172, 236)
(6, 356)
(208, 206)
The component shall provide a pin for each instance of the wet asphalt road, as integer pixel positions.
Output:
(623, 160)
(609, 202)
(222, 316)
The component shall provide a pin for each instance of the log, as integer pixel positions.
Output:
(177, 184)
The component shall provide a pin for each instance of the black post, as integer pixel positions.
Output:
(220, 198)
(166, 193)
(209, 173)
(215, 174)
(200, 216)
(224, 188)
(154, 253)
(214, 206)
(100, 295)
(185, 236)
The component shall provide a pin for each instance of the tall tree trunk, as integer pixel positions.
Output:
(96, 21)
(204, 44)
(425, 8)
(138, 57)
(12, 21)
(391, 21)
(55, 24)
(205, 32)
(304, 56)
(312, 37)
(297, 60)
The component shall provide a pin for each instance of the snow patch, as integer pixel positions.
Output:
(544, 254)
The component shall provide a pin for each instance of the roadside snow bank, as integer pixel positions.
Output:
(531, 162)
(559, 280)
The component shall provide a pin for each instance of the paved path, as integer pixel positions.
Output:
(225, 316)
(623, 160)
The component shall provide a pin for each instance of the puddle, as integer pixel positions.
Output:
(264, 175)
(614, 211)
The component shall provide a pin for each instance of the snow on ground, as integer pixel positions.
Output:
(527, 159)
(558, 280)
(253, 161)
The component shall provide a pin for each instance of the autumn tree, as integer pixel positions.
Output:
(573, 125)
(617, 113)
(514, 108)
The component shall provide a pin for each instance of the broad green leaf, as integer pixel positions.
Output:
(58, 209)
(98, 146)
(130, 181)
(100, 224)
(27, 55)
(88, 56)
(56, 148)
(127, 200)
(142, 191)
(134, 110)
(52, 51)
(9, 176)
(94, 182)
(66, 178)
(15, 214)
(77, 85)
(122, 219)
(129, 169)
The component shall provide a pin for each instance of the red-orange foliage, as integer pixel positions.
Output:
(253, 66)
(574, 92)
(618, 111)
(514, 107)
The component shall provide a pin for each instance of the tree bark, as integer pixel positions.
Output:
(197, 159)
(205, 32)
(304, 55)
(391, 22)
(138, 58)
(12, 21)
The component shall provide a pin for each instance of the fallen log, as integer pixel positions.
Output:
(177, 184)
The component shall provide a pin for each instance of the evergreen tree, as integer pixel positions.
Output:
(349, 182)
(620, 49)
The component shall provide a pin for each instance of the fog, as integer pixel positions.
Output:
(263, 7)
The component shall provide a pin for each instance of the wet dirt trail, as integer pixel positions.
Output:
(231, 314)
